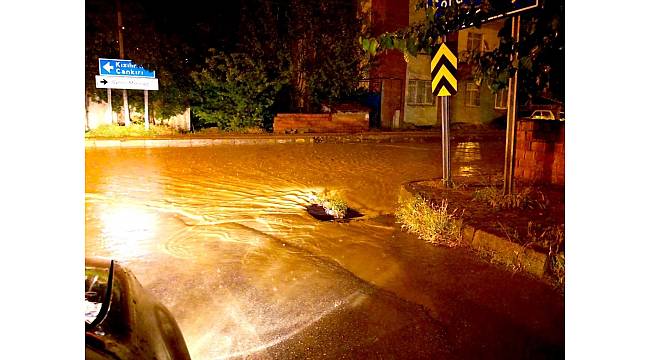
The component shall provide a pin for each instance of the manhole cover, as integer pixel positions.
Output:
(319, 213)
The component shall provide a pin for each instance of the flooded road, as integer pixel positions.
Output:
(221, 236)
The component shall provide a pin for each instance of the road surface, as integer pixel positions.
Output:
(221, 236)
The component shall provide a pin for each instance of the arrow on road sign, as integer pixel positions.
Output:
(108, 67)
(443, 72)
(104, 81)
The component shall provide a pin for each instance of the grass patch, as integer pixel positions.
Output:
(432, 223)
(527, 198)
(334, 204)
(134, 130)
(217, 131)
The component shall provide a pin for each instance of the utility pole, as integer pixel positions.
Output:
(509, 168)
(120, 27)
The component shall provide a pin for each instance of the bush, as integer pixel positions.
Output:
(430, 222)
(234, 91)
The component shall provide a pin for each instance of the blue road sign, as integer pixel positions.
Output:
(494, 9)
(120, 67)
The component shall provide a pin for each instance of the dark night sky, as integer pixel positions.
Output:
(199, 23)
(194, 20)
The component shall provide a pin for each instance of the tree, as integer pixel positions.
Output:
(541, 55)
(312, 42)
(234, 91)
(324, 58)
(291, 56)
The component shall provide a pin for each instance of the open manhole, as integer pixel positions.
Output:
(320, 213)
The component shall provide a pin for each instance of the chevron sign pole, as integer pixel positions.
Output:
(444, 84)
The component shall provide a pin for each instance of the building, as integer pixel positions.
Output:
(387, 76)
(406, 98)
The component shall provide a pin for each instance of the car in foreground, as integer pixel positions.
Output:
(123, 321)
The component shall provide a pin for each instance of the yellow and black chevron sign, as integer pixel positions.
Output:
(443, 72)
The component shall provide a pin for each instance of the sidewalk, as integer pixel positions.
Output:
(196, 140)
(513, 237)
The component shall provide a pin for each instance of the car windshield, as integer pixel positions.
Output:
(97, 279)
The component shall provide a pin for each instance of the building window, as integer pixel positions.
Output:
(501, 99)
(474, 41)
(419, 93)
(472, 95)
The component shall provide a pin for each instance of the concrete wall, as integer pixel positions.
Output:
(460, 110)
(419, 68)
(345, 122)
(483, 114)
(539, 152)
(179, 122)
(96, 115)
(490, 36)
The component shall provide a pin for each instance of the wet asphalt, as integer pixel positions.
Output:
(221, 236)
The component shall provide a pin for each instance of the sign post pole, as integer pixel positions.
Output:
(109, 111)
(146, 109)
(509, 168)
(446, 162)
(444, 65)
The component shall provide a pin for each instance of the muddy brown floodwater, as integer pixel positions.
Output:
(221, 236)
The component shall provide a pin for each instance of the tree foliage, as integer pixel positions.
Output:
(234, 91)
(324, 58)
(541, 55)
(422, 36)
(291, 56)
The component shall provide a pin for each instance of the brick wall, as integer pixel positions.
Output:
(386, 16)
(344, 122)
(539, 153)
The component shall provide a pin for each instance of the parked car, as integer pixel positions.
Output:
(542, 115)
(123, 321)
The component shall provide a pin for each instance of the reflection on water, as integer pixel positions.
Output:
(125, 229)
(221, 236)
(467, 152)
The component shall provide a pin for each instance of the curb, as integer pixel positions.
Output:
(286, 139)
(500, 249)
